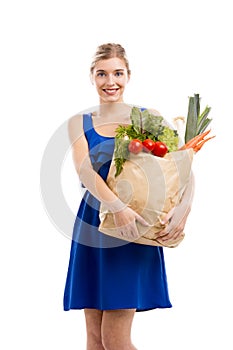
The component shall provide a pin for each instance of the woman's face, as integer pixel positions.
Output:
(110, 78)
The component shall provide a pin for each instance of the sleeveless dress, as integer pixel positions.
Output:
(107, 273)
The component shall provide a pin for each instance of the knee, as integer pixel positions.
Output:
(112, 341)
(108, 338)
(116, 330)
(107, 341)
(94, 341)
(93, 326)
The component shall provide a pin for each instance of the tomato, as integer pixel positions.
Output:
(135, 146)
(148, 145)
(160, 149)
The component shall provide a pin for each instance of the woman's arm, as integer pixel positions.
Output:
(124, 217)
(91, 180)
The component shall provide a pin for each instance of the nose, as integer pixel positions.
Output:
(110, 80)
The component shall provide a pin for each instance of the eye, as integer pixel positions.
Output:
(101, 74)
(119, 73)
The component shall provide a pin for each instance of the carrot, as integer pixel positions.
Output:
(195, 140)
(201, 143)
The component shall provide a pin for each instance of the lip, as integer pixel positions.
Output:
(111, 92)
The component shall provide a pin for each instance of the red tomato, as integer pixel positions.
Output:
(135, 146)
(160, 149)
(148, 145)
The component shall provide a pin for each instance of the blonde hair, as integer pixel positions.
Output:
(107, 51)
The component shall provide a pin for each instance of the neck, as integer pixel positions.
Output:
(113, 109)
(112, 113)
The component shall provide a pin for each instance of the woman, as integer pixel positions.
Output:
(107, 277)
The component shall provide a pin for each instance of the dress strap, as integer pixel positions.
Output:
(87, 122)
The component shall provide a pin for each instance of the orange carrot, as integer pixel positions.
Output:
(201, 143)
(195, 140)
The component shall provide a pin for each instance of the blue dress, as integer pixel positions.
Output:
(107, 273)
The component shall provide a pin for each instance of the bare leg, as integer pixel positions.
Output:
(116, 329)
(93, 327)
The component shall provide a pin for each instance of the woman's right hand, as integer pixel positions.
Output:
(125, 222)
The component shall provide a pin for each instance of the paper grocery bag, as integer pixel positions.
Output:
(151, 186)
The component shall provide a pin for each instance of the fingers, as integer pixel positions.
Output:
(141, 220)
(129, 232)
(125, 222)
(172, 236)
(168, 217)
(172, 232)
(128, 235)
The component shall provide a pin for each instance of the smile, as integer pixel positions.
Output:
(111, 91)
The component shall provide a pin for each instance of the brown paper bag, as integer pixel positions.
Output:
(151, 186)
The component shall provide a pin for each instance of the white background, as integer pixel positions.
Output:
(175, 49)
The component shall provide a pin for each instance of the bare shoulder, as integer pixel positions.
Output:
(75, 127)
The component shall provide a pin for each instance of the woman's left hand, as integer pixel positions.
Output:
(174, 225)
(176, 218)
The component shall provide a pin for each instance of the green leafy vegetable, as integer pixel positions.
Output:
(121, 153)
(144, 125)
(170, 138)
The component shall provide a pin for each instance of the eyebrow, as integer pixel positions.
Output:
(116, 70)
